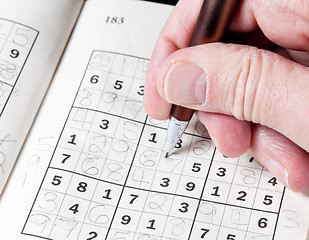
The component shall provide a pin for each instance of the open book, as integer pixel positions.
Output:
(89, 163)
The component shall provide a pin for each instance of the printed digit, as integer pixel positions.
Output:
(190, 186)
(118, 84)
(231, 237)
(196, 167)
(273, 181)
(152, 222)
(184, 207)
(262, 223)
(178, 144)
(126, 219)
(14, 53)
(216, 192)
(82, 187)
(141, 90)
(165, 183)
(205, 231)
(66, 157)
(56, 180)
(221, 172)
(242, 196)
(74, 208)
(104, 124)
(134, 196)
(108, 193)
(94, 79)
(93, 235)
(268, 200)
(72, 141)
(153, 137)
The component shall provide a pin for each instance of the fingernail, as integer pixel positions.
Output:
(185, 83)
(279, 171)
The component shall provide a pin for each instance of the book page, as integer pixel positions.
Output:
(33, 34)
(93, 166)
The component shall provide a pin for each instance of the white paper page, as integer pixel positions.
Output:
(33, 34)
(93, 166)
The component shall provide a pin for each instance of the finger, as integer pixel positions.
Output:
(243, 20)
(283, 158)
(300, 56)
(175, 34)
(269, 15)
(231, 136)
(250, 84)
(285, 22)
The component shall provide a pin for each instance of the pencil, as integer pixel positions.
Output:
(213, 21)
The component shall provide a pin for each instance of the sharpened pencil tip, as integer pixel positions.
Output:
(166, 154)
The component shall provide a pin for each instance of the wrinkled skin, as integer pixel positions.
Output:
(252, 96)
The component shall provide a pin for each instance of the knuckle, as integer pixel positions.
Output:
(252, 96)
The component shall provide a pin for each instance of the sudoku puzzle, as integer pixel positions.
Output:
(108, 177)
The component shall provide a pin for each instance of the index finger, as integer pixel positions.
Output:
(176, 34)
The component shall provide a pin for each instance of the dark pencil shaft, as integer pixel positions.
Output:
(213, 21)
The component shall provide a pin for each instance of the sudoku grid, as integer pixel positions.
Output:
(108, 177)
(16, 41)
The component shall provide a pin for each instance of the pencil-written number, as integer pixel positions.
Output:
(116, 20)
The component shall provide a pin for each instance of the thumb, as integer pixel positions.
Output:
(248, 83)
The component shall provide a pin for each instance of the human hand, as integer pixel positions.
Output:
(249, 99)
